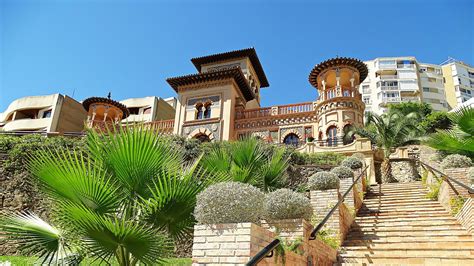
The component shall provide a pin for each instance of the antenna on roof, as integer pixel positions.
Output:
(109, 95)
(73, 91)
(449, 60)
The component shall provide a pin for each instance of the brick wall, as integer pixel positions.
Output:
(346, 218)
(461, 175)
(344, 185)
(466, 215)
(235, 244)
(322, 202)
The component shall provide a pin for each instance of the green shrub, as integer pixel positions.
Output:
(359, 156)
(456, 161)
(229, 202)
(329, 237)
(352, 162)
(287, 204)
(325, 158)
(323, 181)
(343, 172)
(456, 204)
(424, 177)
(434, 190)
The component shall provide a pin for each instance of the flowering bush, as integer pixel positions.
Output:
(229, 202)
(323, 181)
(456, 161)
(352, 162)
(343, 172)
(287, 204)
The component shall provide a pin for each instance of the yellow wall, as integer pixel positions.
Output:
(449, 86)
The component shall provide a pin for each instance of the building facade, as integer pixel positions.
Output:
(49, 113)
(458, 81)
(148, 109)
(394, 80)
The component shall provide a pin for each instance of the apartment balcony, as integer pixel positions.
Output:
(405, 66)
(389, 88)
(410, 99)
(387, 77)
(275, 111)
(27, 124)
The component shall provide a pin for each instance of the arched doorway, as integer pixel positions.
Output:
(202, 138)
(332, 136)
(291, 139)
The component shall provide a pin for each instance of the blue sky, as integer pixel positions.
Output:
(130, 47)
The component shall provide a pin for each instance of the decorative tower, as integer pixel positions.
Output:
(339, 106)
(104, 112)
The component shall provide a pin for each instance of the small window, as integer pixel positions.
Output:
(199, 111)
(134, 110)
(207, 111)
(47, 114)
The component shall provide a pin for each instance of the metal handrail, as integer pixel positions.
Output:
(263, 253)
(276, 242)
(450, 179)
(315, 231)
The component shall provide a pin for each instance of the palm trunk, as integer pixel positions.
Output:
(386, 171)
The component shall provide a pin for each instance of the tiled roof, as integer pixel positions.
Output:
(235, 73)
(248, 52)
(339, 61)
(87, 102)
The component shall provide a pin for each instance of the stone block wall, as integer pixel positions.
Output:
(466, 215)
(403, 170)
(461, 175)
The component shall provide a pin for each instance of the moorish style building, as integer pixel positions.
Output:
(222, 102)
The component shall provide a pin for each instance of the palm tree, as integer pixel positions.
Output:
(460, 137)
(249, 161)
(389, 131)
(128, 197)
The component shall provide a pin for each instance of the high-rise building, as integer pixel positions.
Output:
(458, 81)
(394, 80)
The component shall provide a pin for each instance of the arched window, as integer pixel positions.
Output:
(346, 93)
(291, 139)
(202, 138)
(207, 111)
(199, 111)
(332, 136)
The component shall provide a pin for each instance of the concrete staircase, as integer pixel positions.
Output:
(399, 226)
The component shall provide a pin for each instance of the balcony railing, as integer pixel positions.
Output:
(389, 88)
(409, 99)
(275, 110)
(388, 77)
(295, 108)
(391, 99)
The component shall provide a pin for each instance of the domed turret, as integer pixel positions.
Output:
(104, 111)
(339, 106)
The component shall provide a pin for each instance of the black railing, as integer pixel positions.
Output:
(447, 178)
(267, 251)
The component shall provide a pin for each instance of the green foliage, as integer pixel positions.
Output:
(329, 237)
(423, 109)
(126, 195)
(323, 181)
(343, 172)
(459, 138)
(26, 261)
(20, 148)
(287, 245)
(434, 121)
(433, 190)
(249, 161)
(229, 202)
(456, 161)
(424, 177)
(352, 163)
(323, 159)
(456, 204)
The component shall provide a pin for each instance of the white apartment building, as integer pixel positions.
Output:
(148, 109)
(458, 81)
(401, 79)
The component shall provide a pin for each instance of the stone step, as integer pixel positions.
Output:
(405, 260)
(400, 195)
(407, 229)
(401, 214)
(388, 220)
(386, 203)
(402, 209)
(443, 251)
(402, 238)
(414, 225)
(454, 244)
(389, 198)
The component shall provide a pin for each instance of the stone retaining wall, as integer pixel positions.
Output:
(322, 202)
(466, 215)
(404, 170)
